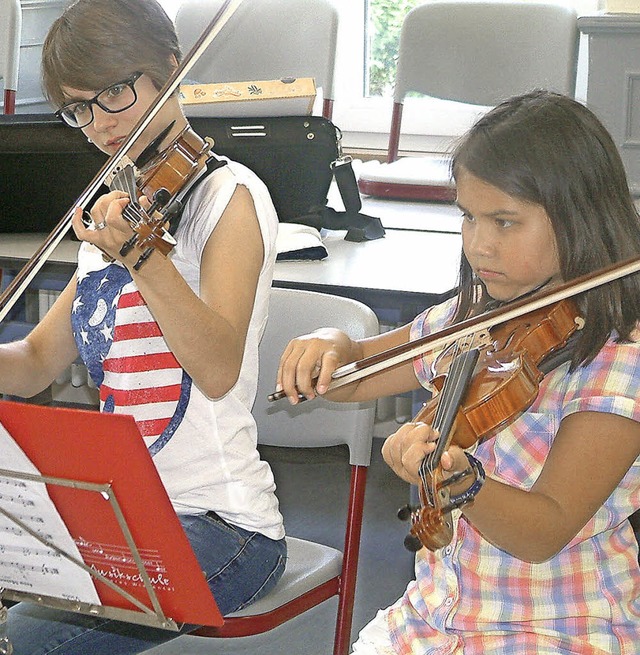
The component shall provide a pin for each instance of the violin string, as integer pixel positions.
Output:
(452, 351)
(124, 180)
(132, 214)
(453, 379)
(129, 178)
(119, 183)
(447, 405)
(432, 461)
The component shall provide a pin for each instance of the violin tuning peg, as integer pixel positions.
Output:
(128, 245)
(142, 259)
(173, 208)
(404, 513)
(162, 196)
(412, 543)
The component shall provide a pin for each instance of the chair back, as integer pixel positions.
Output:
(264, 40)
(293, 312)
(10, 29)
(483, 52)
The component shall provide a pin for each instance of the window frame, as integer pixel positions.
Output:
(428, 125)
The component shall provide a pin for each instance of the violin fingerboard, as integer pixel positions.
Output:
(125, 180)
(452, 395)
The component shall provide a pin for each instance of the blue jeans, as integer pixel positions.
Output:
(240, 567)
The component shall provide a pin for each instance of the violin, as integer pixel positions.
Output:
(483, 384)
(161, 179)
(153, 234)
(490, 379)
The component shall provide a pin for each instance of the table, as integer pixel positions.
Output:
(413, 215)
(397, 276)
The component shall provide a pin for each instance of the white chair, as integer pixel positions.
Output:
(476, 52)
(265, 40)
(484, 52)
(314, 572)
(10, 28)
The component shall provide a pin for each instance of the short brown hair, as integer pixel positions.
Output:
(96, 43)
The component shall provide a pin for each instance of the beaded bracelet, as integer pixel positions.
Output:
(468, 496)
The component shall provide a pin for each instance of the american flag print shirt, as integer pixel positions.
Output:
(205, 449)
(473, 598)
(126, 354)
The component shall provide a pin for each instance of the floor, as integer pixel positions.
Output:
(320, 484)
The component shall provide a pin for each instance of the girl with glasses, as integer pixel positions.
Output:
(114, 99)
(188, 376)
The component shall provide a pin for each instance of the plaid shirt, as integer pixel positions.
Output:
(472, 597)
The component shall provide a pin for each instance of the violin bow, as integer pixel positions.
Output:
(406, 351)
(22, 280)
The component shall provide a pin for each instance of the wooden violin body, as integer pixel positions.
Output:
(161, 180)
(503, 384)
(507, 377)
(176, 166)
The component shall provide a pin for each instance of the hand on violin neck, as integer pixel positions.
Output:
(108, 230)
(405, 450)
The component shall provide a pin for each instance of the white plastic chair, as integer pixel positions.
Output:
(483, 52)
(314, 572)
(10, 29)
(475, 52)
(265, 40)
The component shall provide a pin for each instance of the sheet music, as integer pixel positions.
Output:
(26, 564)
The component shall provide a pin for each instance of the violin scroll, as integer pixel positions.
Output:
(430, 528)
(431, 524)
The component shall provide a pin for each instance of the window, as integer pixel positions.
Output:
(364, 96)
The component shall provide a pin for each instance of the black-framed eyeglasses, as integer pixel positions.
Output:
(115, 98)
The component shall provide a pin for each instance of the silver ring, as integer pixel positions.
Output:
(101, 226)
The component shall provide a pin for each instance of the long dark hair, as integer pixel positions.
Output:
(548, 149)
(96, 43)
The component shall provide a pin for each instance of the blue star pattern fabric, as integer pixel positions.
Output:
(127, 356)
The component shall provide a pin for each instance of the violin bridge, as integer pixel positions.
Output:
(116, 170)
(481, 339)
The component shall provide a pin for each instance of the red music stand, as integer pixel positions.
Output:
(130, 557)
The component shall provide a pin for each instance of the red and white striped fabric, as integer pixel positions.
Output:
(127, 355)
(140, 375)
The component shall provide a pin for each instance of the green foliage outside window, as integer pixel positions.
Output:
(384, 23)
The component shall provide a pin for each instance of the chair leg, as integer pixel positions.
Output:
(327, 108)
(394, 132)
(350, 567)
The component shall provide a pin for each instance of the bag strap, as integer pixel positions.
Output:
(359, 226)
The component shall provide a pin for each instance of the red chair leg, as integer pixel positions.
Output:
(350, 565)
(394, 133)
(327, 108)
